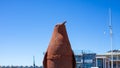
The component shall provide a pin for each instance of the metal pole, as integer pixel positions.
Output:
(33, 61)
(105, 62)
(83, 59)
(110, 27)
(96, 62)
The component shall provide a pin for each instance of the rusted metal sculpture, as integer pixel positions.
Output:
(59, 53)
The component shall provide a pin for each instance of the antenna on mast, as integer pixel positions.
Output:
(111, 36)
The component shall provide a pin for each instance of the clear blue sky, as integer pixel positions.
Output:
(26, 27)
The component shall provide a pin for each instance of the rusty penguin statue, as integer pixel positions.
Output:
(59, 53)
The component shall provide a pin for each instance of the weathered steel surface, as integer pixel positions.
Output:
(59, 53)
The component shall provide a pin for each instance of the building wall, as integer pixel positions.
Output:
(85, 60)
(92, 60)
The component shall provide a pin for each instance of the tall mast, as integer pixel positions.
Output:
(111, 36)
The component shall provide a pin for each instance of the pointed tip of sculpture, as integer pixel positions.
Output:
(64, 22)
